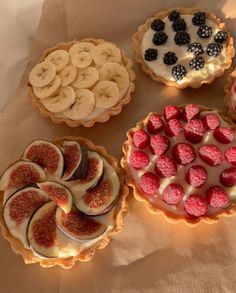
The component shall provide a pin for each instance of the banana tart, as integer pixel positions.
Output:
(230, 95)
(182, 163)
(61, 201)
(183, 47)
(81, 82)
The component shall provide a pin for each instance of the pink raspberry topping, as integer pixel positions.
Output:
(196, 176)
(217, 197)
(165, 167)
(171, 112)
(193, 130)
(173, 127)
(159, 144)
(195, 205)
(210, 154)
(191, 111)
(173, 193)
(223, 134)
(230, 155)
(228, 177)
(211, 121)
(149, 183)
(140, 139)
(155, 124)
(184, 153)
(139, 159)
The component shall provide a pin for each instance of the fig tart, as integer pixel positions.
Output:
(182, 163)
(230, 95)
(81, 82)
(61, 201)
(183, 47)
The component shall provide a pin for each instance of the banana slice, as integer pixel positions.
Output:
(86, 78)
(60, 58)
(61, 102)
(83, 106)
(106, 94)
(82, 47)
(106, 52)
(68, 75)
(42, 74)
(47, 90)
(82, 60)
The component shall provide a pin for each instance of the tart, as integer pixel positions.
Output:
(182, 163)
(183, 47)
(81, 82)
(61, 201)
(230, 95)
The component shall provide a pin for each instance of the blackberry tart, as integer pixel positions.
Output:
(230, 95)
(191, 46)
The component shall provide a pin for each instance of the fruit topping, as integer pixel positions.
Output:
(75, 160)
(210, 154)
(150, 54)
(179, 25)
(149, 183)
(199, 18)
(165, 167)
(159, 144)
(139, 159)
(197, 63)
(204, 31)
(42, 231)
(217, 197)
(173, 193)
(184, 153)
(178, 72)
(170, 58)
(196, 176)
(195, 205)
(158, 25)
(213, 50)
(221, 37)
(173, 127)
(191, 111)
(194, 130)
(182, 38)
(159, 38)
(173, 15)
(195, 48)
(171, 112)
(79, 227)
(211, 121)
(230, 155)
(20, 174)
(47, 155)
(60, 194)
(228, 177)
(155, 124)
(223, 134)
(140, 139)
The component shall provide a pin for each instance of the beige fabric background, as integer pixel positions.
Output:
(149, 255)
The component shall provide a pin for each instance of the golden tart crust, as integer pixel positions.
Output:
(230, 81)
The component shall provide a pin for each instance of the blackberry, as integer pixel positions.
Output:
(174, 15)
(159, 38)
(197, 63)
(182, 38)
(214, 50)
(204, 31)
(221, 37)
(199, 18)
(178, 72)
(195, 48)
(157, 25)
(179, 25)
(150, 54)
(170, 58)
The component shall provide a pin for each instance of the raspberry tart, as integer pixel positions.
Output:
(81, 82)
(182, 163)
(61, 201)
(230, 95)
(183, 47)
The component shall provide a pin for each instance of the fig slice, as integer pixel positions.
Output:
(75, 161)
(42, 231)
(77, 226)
(60, 194)
(20, 174)
(47, 155)
(99, 200)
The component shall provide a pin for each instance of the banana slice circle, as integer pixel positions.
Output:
(61, 102)
(81, 47)
(68, 75)
(106, 52)
(48, 90)
(86, 78)
(106, 94)
(83, 106)
(42, 74)
(82, 60)
(60, 58)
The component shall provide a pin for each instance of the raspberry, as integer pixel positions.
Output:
(193, 130)
(140, 139)
(139, 159)
(223, 134)
(159, 144)
(165, 167)
(211, 121)
(184, 153)
(195, 205)
(171, 112)
(210, 154)
(173, 193)
(173, 127)
(149, 183)
(196, 176)
(217, 197)
(228, 177)
(190, 111)
(230, 155)
(155, 123)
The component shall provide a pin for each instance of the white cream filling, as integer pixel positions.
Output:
(233, 96)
